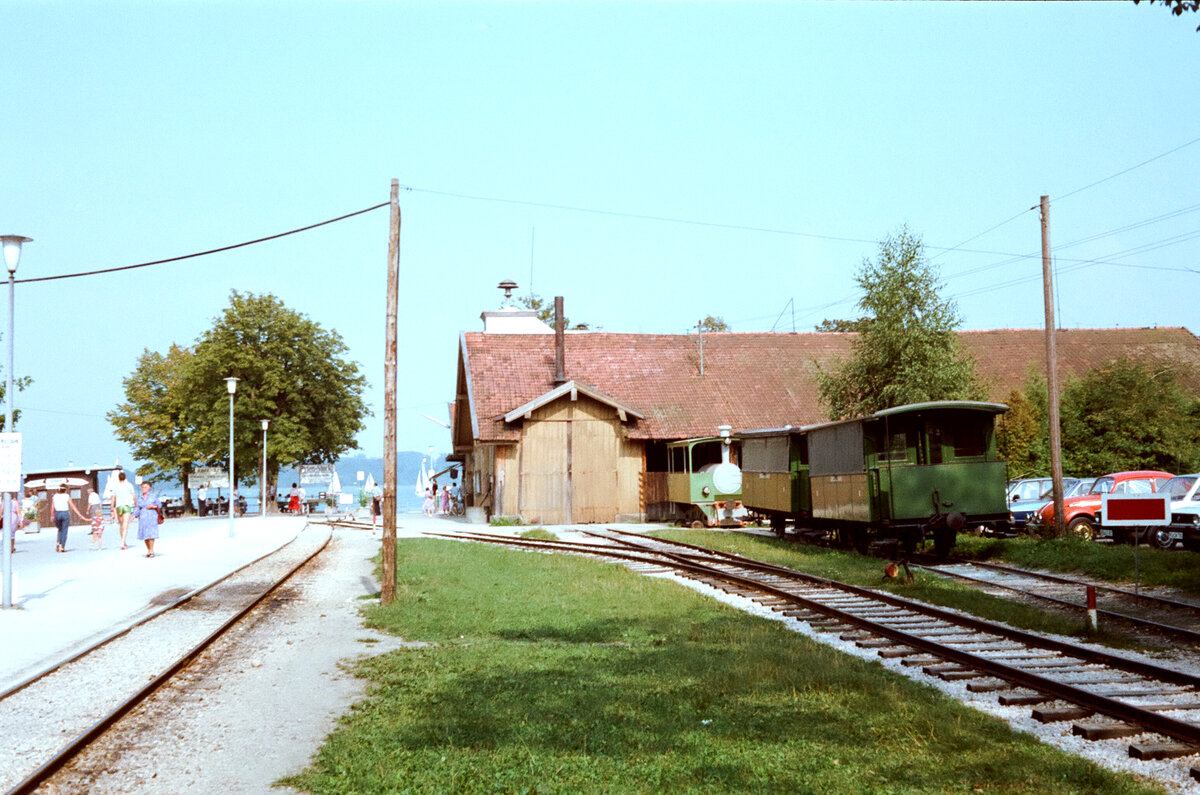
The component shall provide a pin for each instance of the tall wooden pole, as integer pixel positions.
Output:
(1052, 374)
(388, 593)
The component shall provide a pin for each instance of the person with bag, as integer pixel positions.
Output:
(149, 515)
(63, 507)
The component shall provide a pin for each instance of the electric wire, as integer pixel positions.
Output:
(201, 253)
(1126, 171)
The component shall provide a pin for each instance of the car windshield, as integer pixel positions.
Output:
(1180, 486)
(1070, 489)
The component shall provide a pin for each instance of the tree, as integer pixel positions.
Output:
(1130, 415)
(545, 312)
(711, 323)
(1177, 6)
(826, 326)
(291, 371)
(153, 420)
(1022, 435)
(906, 350)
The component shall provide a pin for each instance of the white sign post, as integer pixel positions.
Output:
(10, 484)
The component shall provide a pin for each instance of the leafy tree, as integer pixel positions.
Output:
(841, 325)
(906, 350)
(20, 382)
(291, 371)
(1130, 415)
(711, 323)
(153, 421)
(545, 312)
(1177, 6)
(1022, 435)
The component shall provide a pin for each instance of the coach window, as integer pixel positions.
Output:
(896, 449)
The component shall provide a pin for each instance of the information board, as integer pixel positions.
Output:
(316, 473)
(10, 463)
(212, 477)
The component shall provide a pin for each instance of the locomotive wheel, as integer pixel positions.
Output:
(697, 524)
(1082, 527)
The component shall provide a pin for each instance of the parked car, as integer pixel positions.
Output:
(1028, 494)
(1185, 511)
(1081, 513)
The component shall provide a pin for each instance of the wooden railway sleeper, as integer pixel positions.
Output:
(1105, 731)
(1147, 751)
(1061, 714)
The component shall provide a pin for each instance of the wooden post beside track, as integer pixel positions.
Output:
(1056, 475)
(388, 591)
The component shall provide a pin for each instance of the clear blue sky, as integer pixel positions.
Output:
(138, 131)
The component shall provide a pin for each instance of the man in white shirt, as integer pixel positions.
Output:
(202, 499)
(123, 499)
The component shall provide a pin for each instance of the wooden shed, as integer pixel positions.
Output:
(42, 484)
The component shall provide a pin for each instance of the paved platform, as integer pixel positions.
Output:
(64, 601)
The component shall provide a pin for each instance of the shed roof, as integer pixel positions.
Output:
(753, 380)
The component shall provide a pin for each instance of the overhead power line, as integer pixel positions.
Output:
(201, 253)
(1127, 170)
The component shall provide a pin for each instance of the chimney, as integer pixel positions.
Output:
(560, 366)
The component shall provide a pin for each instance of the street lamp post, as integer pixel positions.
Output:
(12, 255)
(231, 385)
(263, 504)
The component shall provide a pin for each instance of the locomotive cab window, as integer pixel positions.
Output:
(678, 459)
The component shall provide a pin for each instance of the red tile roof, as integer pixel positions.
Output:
(757, 380)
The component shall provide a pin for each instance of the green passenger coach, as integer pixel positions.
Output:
(926, 469)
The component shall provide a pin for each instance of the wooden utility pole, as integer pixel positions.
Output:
(1052, 374)
(388, 593)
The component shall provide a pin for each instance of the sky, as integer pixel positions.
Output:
(653, 163)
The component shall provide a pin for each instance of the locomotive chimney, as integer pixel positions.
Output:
(560, 366)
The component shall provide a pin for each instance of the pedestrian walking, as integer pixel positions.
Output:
(445, 500)
(96, 513)
(428, 504)
(376, 504)
(123, 501)
(148, 512)
(63, 507)
(202, 499)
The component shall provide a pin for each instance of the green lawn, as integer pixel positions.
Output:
(558, 674)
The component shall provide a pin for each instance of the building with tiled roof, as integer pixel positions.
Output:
(589, 445)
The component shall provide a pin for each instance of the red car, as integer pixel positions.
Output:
(1080, 512)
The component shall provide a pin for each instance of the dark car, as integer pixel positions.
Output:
(1027, 495)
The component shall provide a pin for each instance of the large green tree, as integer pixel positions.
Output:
(1130, 415)
(906, 350)
(291, 372)
(153, 419)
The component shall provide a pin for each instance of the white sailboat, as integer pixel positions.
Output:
(422, 479)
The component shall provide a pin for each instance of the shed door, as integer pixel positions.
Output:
(544, 490)
(595, 451)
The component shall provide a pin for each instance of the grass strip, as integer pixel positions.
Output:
(560, 674)
(1108, 562)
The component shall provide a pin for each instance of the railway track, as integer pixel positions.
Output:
(53, 717)
(1172, 617)
(1106, 696)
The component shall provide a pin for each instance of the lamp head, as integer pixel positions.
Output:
(265, 424)
(231, 385)
(12, 250)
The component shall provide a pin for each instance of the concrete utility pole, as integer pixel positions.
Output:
(388, 592)
(1052, 375)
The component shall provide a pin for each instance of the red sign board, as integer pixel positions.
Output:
(1144, 509)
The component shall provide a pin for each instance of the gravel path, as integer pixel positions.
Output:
(258, 704)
